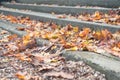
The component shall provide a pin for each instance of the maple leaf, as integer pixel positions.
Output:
(84, 33)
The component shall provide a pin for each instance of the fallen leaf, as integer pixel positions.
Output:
(84, 33)
(61, 16)
(20, 28)
(12, 37)
(75, 48)
(60, 74)
(97, 15)
(20, 76)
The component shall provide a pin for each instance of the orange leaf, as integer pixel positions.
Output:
(20, 76)
(68, 45)
(85, 32)
(97, 35)
(26, 39)
(118, 44)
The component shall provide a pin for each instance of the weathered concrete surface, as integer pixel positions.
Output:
(49, 17)
(106, 65)
(103, 63)
(11, 28)
(56, 9)
(102, 3)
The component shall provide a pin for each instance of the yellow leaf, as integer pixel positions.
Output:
(75, 29)
(26, 39)
(75, 48)
(54, 61)
(54, 36)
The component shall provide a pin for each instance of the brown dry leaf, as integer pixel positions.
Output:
(106, 34)
(12, 37)
(36, 59)
(54, 26)
(59, 74)
(22, 57)
(48, 68)
(118, 44)
(68, 45)
(61, 16)
(20, 28)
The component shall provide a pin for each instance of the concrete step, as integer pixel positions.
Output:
(56, 9)
(108, 66)
(104, 64)
(49, 17)
(100, 3)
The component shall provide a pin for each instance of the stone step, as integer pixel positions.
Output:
(56, 9)
(100, 3)
(45, 17)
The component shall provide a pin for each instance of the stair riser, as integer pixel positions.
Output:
(101, 3)
(57, 9)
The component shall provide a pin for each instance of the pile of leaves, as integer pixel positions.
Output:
(70, 37)
(113, 17)
(21, 59)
